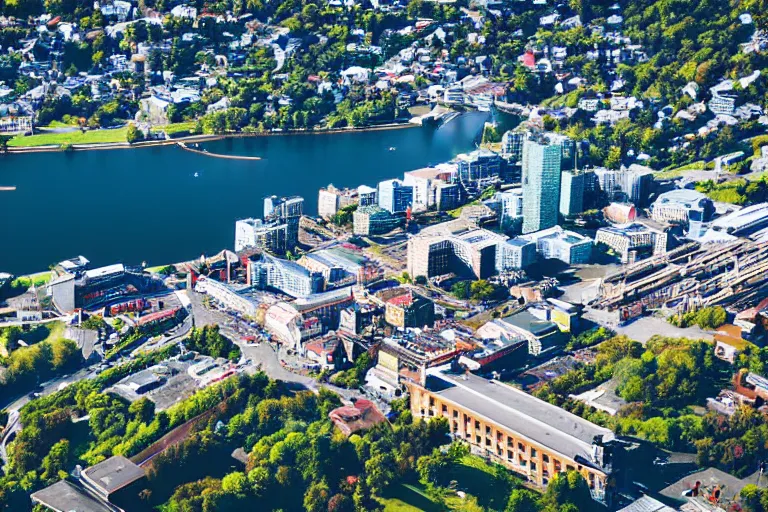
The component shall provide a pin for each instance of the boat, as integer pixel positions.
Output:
(196, 175)
(392, 148)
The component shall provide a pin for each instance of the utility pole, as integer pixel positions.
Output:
(760, 472)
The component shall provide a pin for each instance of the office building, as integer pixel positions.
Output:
(529, 436)
(425, 183)
(456, 246)
(571, 193)
(373, 220)
(288, 211)
(635, 241)
(230, 296)
(394, 196)
(510, 207)
(341, 267)
(447, 196)
(255, 233)
(366, 195)
(512, 144)
(567, 246)
(541, 184)
(632, 185)
(331, 199)
(516, 253)
(479, 168)
(286, 276)
(682, 206)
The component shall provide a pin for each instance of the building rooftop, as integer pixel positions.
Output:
(526, 321)
(742, 218)
(105, 271)
(113, 474)
(647, 504)
(681, 195)
(67, 497)
(709, 478)
(570, 237)
(534, 419)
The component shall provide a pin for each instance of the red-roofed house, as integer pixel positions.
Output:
(354, 418)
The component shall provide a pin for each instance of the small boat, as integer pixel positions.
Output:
(196, 175)
(392, 148)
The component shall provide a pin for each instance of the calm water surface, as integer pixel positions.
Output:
(146, 204)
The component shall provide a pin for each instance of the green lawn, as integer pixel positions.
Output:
(174, 128)
(37, 279)
(408, 498)
(78, 137)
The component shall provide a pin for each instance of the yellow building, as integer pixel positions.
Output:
(525, 434)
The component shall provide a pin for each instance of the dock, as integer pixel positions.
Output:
(183, 146)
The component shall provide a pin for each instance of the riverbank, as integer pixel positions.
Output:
(198, 138)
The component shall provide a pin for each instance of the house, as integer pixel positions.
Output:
(362, 415)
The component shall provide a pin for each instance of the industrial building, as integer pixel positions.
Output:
(286, 276)
(529, 436)
(455, 246)
(331, 199)
(373, 220)
(541, 184)
(567, 246)
(394, 196)
(634, 241)
(682, 206)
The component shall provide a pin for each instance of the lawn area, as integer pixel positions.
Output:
(40, 332)
(37, 279)
(175, 128)
(408, 498)
(78, 137)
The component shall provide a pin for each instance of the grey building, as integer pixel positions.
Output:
(286, 276)
(478, 167)
(288, 211)
(373, 220)
(541, 184)
(571, 193)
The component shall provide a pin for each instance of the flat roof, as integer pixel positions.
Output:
(535, 419)
(66, 497)
(710, 477)
(741, 218)
(525, 320)
(105, 271)
(114, 473)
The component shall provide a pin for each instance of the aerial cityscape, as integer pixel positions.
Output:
(384, 255)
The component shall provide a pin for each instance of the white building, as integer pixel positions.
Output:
(227, 295)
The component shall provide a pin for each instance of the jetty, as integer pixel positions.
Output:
(185, 147)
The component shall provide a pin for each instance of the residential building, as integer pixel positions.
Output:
(682, 206)
(404, 308)
(571, 193)
(373, 220)
(230, 296)
(341, 267)
(288, 211)
(366, 195)
(723, 100)
(634, 241)
(283, 275)
(425, 183)
(331, 199)
(455, 246)
(394, 196)
(541, 184)
(510, 207)
(529, 436)
(567, 246)
(447, 196)
(630, 185)
(255, 233)
(479, 167)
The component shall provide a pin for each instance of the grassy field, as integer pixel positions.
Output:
(473, 476)
(175, 128)
(36, 279)
(60, 139)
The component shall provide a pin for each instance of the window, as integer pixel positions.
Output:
(509, 455)
(510, 442)
(477, 425)
(521, 447)
(533, 452)
(431, 401)
(533, 466)
(487, 442)
(455, 413)
(477, 439)
(487, 430)
(545, 458)
(569, 468)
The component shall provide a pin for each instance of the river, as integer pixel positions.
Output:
(147, 205)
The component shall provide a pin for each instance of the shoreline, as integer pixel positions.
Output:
(200, 138)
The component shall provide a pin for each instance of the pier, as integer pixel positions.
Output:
(183, 146)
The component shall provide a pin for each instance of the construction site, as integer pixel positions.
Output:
(692, 276)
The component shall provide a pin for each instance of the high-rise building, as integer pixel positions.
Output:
(331, 199)
(541, 184)
(510, 207)
(479, 167)
(394, 196)
(372, 220)
(255, 233)
(367, 195)
(632, 185)
(571, 193)
(288, 211)
(512, 144)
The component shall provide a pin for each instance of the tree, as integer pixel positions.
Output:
(523, 500)
(56, 461)
(341, 503)
(133, 134)
(569, 488)
(234, 483)
(316, 497)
